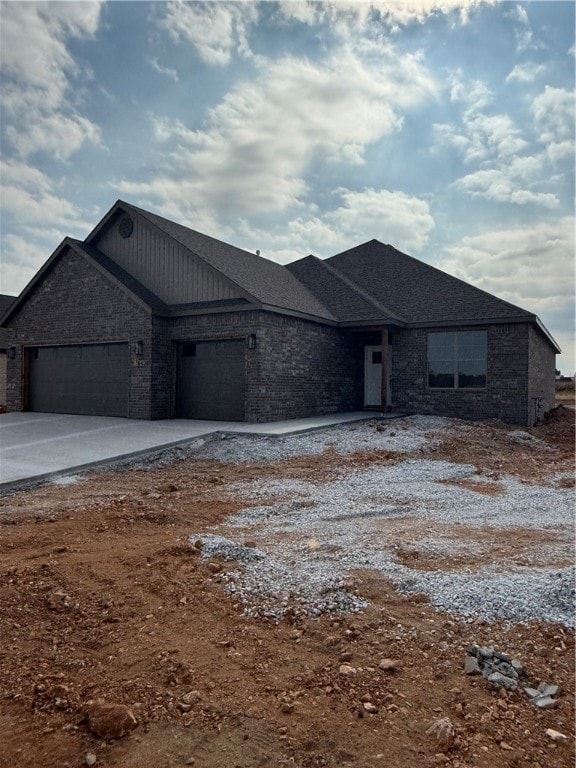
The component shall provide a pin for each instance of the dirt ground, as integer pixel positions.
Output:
(103, 598)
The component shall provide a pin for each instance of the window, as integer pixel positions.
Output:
(457, 360)
(376, 358)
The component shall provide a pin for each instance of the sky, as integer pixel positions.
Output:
(442, 127)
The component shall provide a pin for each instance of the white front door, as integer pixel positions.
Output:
(373, 376)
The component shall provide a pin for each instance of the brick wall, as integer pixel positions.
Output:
(306, 369)
(506, 396)
(541, 378)
(76, 304)
(297, 368)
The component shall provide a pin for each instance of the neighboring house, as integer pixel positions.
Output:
(5, 302)
(151, 320)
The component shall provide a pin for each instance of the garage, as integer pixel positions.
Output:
(90, 379)
(211, 380)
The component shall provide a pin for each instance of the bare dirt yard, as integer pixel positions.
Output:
(304, 601)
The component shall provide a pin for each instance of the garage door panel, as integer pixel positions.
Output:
(86, 379)
(211, 380)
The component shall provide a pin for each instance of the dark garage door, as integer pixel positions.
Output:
(211, 380)
(89, 379)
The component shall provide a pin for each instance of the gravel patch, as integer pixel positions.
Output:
(403, 435)
(311, 535)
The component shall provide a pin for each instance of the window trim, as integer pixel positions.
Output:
(456, 360)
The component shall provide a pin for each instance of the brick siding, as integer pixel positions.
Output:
(518, 364)
(541, 378)
(76, 304)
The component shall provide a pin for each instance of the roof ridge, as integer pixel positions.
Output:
(360, 291)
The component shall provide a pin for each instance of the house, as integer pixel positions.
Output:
(5, 302)
(149, 319)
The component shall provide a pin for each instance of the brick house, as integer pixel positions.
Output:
(151, 320)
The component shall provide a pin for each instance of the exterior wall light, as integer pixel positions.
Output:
(139, 348)
(11, 353)
(252, 341)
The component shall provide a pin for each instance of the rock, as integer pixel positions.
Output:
(442, 731)
(347, 669)
(556, 735)
(287, 708)
(110, 721)
(500, 680)
(389, 665)
(548, 690)
(346, 656)
(372, 709)
(90, 758)
(544, 702)
(485, 653)
(533, 693)
(517, 666)
(471, 666)
(184, 707)
(214, 567)
(505, 745)
(192, 697)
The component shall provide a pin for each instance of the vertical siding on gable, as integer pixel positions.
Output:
(163, 266)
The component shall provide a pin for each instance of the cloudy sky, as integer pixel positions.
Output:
(442, 127)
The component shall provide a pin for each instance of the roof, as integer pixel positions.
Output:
(418, 293)
(370, 284)
(128, 283)
(5, 302)
(267, 281)
(342, 297)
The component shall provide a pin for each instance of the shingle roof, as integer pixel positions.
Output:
(414, 291)
(345, 300)
(267, 281)
(5, 302)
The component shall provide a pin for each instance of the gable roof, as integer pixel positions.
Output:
(266, 281)
(129, 284)
(370, 284)
(5, 302)
(418, 293)
(337, 292)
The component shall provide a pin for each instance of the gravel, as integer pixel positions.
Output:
(396, 435)
(309, 536)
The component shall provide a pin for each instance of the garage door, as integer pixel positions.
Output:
(88, 379)
(211, 380)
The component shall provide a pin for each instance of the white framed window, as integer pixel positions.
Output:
(457, 360)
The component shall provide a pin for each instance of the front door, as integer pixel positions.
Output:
(373, 376)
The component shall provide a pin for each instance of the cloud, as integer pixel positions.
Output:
(393, 217)
(530, 266)
(38, 217)
(166, 71)
(503, 186)
(241, 164)
(526, 73)
(39, 112)
(347, 15)
(216, 29)
(553, 111)
(29, 196)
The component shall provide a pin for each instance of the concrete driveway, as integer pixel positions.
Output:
(37, 446)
